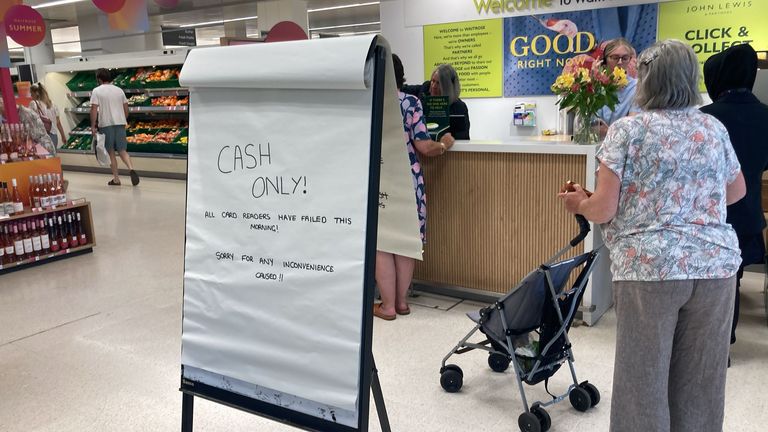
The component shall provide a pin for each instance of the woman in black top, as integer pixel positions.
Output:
(729, 77)
(445, 82)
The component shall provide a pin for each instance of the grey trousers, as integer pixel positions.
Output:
(672, 342)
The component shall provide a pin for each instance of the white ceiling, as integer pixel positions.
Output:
(63, 19)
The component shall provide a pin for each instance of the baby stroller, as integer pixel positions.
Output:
(538, 306)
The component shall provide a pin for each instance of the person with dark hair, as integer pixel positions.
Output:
(729, 77)
(110, 106)
(395, 272)
(664, 180)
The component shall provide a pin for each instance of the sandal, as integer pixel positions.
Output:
(377, 312)
(404, 311)
(113, 183)
(134, 178)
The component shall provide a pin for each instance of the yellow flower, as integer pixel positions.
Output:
(563, 82)
(584, 74)
(619, 76)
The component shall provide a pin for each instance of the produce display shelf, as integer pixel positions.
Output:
(133, 154)
(138, 109)
(178, 91)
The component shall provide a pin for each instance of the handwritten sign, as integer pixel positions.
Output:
(280, 152)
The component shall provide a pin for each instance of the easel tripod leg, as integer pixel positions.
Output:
(378, 398)
(187, 410)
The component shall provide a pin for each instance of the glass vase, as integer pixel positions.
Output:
(586, 129)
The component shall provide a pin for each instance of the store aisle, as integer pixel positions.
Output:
(93, 343)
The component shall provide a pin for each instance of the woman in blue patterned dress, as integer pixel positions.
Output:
(664, 179)
(395, 272)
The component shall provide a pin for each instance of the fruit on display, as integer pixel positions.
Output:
(140, 138)
(166, 137)
(137, 125)
(138, 100)
(163, 74)
(170, 101)
(78, 142)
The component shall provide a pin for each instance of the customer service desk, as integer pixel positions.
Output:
(493, 216)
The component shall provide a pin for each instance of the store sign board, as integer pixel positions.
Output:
(277, 224)
(537, 48)
(425, 12)
(711, 26)
(473, 49)
(180, 37)
(24, 25)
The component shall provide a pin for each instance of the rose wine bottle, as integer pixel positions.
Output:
(45, 199)
(27, 239)
(2, 245)
(18, 204)
(64, 239)
(18, 243)
(34, 195)
(53, 235)
(45, 239)
(4, 153)
(60, 194)
(83, 237)
(8, 204)
(3, 200)
(74, 240)
(37, 244)
(9, 255)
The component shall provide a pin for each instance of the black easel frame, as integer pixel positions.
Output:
(369, 381)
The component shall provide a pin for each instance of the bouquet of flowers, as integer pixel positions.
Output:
(585, 89)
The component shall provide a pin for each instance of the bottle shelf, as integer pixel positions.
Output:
(46, 257)
(80, 206)
(34, 212)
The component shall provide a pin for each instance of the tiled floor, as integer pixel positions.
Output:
(93, 343)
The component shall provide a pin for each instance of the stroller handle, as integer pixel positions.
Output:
(583, 230)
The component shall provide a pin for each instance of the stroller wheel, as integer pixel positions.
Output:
(451, 378)
(498, 362)
(580, 399)
(543, 416)
(594, 395)
(528, 422)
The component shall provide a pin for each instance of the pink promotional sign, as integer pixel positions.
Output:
(109, 6)
(24, 25)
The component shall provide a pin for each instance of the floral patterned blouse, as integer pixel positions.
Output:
(415, 128)
(674, 166)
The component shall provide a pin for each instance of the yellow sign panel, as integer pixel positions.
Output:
(711, 26)
(474, 49)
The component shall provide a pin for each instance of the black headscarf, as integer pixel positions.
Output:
(734, 68)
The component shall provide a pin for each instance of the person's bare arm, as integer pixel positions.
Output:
(61, 130)
(602, 205)
(125, 108)
(94, 116)
(434, 148)
(736, 190)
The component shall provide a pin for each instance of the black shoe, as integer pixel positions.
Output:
(729, 361)
(134, 178)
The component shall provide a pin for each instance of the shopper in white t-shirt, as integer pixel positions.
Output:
(42, 105)
(110, 106)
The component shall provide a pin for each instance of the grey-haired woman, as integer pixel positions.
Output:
(445, 82)
(664, 179)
